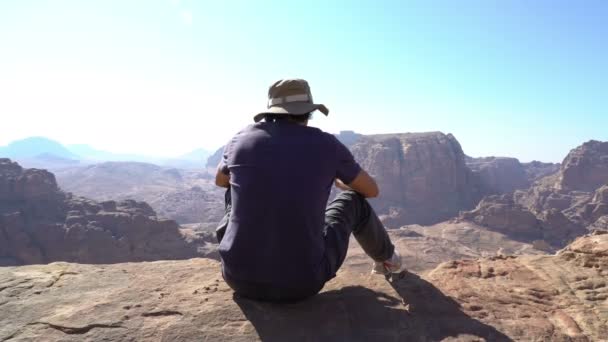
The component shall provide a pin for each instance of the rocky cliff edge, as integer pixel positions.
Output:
(563, 297)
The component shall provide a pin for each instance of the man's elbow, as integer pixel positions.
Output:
(221, 181)
(373, 193)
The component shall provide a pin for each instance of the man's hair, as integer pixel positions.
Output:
(294, 118)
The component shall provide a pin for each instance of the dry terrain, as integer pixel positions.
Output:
(561, 297)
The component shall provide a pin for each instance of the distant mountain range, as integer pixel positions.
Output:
(42, 152)
(35, 146)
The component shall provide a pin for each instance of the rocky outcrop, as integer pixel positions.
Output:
(186, 196)
(499, 174)
(585, 168)
(501, 213)
(348, 138)
(567, 203)
(501, 298)
(41, 224)
(422, 176)
(536, 170)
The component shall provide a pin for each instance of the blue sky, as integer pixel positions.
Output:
(516, 78)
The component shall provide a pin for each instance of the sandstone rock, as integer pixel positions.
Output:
(502, 298)
(500, 174)
(558, 229)
(186, 196)
(585, 168)
(567, 203)
(422, 176)
(536, 170)
(41, 224)
(500, 212)
(348, 138)
(16, 183)
(601, 224)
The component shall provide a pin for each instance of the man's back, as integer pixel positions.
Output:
(281, 174)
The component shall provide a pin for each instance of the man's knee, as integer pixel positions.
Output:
(351, 195)
(353, 204)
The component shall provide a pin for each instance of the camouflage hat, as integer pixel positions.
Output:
(290, 97)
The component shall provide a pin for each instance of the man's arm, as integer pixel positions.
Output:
(363, 184)
(222, 179)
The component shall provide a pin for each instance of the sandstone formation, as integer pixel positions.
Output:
(501, 213)
(565, 204)
(41, 224)
(536, 170)
(186, 196)
(422, 176)
(585, 168)
(500, 174)
(348, 138)
(562, 297)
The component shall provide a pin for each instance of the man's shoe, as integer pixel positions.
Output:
(392, 265)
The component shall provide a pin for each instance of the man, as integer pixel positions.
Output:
(278, 241)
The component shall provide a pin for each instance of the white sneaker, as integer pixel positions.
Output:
(392, 265)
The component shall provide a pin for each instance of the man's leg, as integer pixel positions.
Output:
(351, 212)
(223, 225)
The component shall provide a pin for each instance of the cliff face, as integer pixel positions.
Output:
(40, 224)
(422, 176)
(500, 174)
(585, 168)
(502, 298)
(566, 204)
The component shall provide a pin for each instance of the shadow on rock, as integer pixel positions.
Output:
(357, 313)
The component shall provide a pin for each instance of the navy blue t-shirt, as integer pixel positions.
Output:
(281, 174)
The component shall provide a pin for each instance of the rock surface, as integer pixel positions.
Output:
(40, 224)
(501, 213)
(500, 174)
(585, 168)
(536, 170)
(503, 298)
(422, 176)
(566, 204)
(186, 196)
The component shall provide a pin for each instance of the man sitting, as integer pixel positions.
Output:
(278, 240)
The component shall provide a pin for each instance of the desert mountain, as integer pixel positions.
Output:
(503, 174)
(561, 297)
(423, 176)
(187, 196)
(558, 207)
(39, 224)
(193, 159)
(35, 146)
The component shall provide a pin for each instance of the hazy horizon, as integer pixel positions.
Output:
(163, 78)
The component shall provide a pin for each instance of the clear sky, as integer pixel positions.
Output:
(527, 79)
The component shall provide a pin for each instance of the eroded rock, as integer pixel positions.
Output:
(41, 224)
